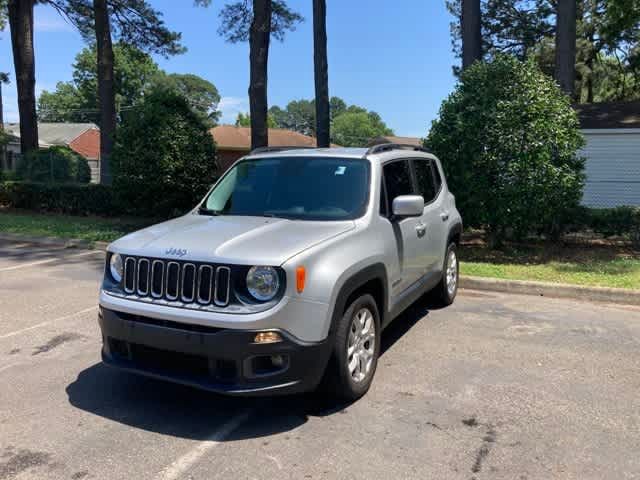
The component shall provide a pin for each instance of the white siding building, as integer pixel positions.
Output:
(612, 150)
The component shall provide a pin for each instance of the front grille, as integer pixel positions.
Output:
(186, 282)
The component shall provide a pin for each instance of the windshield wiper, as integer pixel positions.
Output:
(208, 211)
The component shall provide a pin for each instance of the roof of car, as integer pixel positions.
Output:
(342, 152)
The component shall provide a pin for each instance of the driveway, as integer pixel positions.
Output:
(496, 386)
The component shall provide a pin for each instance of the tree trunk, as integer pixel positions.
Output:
(259, 37)
(21, 23)
(106, 91)
(471, 32)
(566, 45)
(321, 71)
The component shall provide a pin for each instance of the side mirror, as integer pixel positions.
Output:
(408, 206)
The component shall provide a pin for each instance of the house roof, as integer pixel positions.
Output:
(53, 133)
(230, 137)
(395, 139)
(87, 144)
(609, 115)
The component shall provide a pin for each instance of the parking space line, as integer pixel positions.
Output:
(50, 260)
(18, 332)
(178, 468)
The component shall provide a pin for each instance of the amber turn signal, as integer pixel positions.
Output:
(301, 276)
(267, 337)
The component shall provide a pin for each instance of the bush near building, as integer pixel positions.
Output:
(164, 159)
(54, 164)
(509, 142)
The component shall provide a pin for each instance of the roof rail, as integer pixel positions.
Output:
(386, 147)
(277, 149)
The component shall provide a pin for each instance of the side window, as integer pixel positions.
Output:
(425, 179)
(397, 179)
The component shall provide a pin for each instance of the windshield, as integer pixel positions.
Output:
(304, 188)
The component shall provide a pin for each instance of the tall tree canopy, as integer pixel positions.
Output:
(257, 23)
(608, 41)
(135, 73)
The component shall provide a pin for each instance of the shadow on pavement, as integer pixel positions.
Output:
(180, 411)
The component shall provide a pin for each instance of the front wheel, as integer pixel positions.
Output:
(355, 351)
(447, 289)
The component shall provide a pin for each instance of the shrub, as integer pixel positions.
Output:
(508, 139)
(73, 199)
(54, 164)
(621, 221)
(164, 158)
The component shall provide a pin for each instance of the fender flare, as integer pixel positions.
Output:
(376, 271)
(456, 229)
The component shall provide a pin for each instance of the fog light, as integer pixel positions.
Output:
(277, 360)
(267, 337)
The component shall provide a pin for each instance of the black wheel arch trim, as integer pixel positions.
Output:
(376, 271)
(456, 229)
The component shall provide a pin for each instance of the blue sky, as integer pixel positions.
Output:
(391, 57)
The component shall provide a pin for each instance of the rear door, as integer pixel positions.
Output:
(429, 185)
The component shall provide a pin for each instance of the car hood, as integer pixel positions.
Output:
(229, 239)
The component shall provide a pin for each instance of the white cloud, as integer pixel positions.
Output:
(230, 107)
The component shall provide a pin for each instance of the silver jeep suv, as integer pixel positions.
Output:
(283, 278)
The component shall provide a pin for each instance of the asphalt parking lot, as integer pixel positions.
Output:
(496, 386)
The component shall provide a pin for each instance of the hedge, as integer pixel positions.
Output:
(621, 221)
(72, 199)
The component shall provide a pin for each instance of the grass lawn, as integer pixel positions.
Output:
(594, 265)
(597, 265)
(91, 229)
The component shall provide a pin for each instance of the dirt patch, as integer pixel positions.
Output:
(56, 342)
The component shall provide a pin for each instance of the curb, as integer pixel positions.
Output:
(554, 290)
(520, 287)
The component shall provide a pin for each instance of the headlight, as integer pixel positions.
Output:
(116, 268)
(263, 283)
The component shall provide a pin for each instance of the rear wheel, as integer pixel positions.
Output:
(447, 289)
(355, 351)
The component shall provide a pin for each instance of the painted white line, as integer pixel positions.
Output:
(49, 260)
(66, 317)
(178, 468)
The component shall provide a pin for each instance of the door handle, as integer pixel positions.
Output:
(421, 229)
(444, 216)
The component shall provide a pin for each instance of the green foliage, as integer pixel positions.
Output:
(77, 101)
(300, 116)
(133, 22)
(508, 139)
(69, 198)
(355, 127)
(201, 94)
(54, 164)
(135, 74)
(236, 17)
(607, 50)
(244, 120)
(620, 221)
(164, 158)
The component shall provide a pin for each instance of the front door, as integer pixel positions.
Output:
(408, 232)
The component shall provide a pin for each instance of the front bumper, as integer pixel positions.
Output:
(217, 359)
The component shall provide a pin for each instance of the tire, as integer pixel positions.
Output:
(352, 366)
(445, 292)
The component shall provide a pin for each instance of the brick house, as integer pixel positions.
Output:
(234, 142)
(83, 138)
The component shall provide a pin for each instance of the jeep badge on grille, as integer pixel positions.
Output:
(177, 252)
